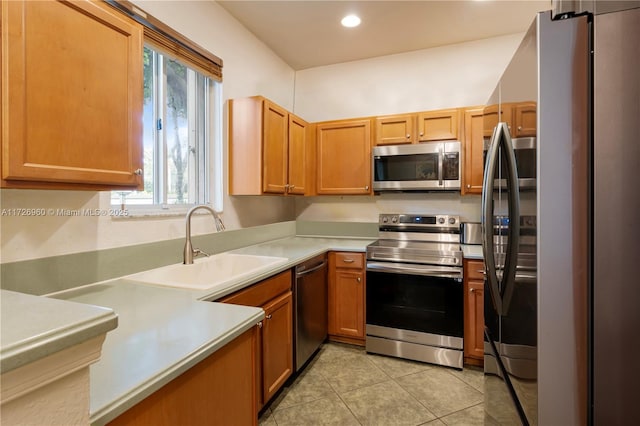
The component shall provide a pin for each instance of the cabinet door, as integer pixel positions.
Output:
(344, 157)
(492, 116)
(219, 390)
(348, 305)
(473, 151)
(346, 295)
(275, 134)
(438, 125)
(71, 94)
(277, 344)
(473, 310)
(395, 129)
(524, 119)
(298, 147)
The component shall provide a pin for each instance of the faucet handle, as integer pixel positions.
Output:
(197, 252)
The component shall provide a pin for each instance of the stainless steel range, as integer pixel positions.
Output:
(414, 295)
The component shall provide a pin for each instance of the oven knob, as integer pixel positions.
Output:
(394, 219)
(452, 220)
(441, 220)
(385, 219)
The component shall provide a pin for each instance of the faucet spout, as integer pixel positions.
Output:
(189, 251)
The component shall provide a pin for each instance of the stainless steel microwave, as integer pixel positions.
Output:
(525, 153)
(428, 166)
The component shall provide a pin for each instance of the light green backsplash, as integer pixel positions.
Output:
(338, 229)
(56, 273)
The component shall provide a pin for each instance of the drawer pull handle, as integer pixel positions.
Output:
(347, 260)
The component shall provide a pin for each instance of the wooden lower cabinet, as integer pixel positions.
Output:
(347, 297)
(274, 361)
(219, 390)
(473, 312)
(277, 348)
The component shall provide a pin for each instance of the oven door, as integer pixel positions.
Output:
(424, 301)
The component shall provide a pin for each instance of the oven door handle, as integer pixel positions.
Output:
(412, 269)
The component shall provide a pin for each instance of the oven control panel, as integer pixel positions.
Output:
(406, 220)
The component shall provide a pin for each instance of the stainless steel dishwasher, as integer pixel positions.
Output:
(310, 296)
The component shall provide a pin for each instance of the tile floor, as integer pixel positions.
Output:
(343, 385)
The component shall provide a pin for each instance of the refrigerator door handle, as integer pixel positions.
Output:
(513, 233)
(440, 164)
(488, 186)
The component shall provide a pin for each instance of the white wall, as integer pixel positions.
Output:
(458, 75)
(445, 77)
(250, 68)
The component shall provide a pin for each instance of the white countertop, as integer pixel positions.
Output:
(53, 325)
(164, 331)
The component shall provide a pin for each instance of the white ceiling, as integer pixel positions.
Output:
(307, 34)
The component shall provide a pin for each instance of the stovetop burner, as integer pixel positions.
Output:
(423, 239)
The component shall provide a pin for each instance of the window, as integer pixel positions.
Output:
(179, 126)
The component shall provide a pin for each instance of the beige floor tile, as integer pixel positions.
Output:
(396, 367)
(346, 368)
(386, 404)
(310, 385)
(441, 392)
(436, 422)
(473, 376)
(324, 411)
(472, 416)
(266, 419)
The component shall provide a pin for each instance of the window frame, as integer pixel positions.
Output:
(204, 139)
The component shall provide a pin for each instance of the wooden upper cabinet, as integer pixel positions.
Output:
(438, 125)
(269, 149)
(71, 96)
(275, 136)
(344, 157)
(492, 116)
(524, 119)
(395, 129)
(473, 142)
(299, 155)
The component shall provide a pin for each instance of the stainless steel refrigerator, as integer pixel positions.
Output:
(562, 297)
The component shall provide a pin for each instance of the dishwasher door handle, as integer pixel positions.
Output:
(308, 271)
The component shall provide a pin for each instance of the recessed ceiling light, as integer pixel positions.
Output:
(350, 21)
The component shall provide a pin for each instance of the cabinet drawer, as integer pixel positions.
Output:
(260, 293)
(350, 260)
(474, 269)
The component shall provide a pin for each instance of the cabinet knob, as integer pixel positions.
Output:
(519, 127)
(359, 279)
(468, 186)
(268, 316)
(138, 172)
(366, 187)
(472, 290)
(421, 134)
(291, 186)
(408, 136)
(260, 324)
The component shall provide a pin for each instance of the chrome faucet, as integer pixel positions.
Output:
(189, 251)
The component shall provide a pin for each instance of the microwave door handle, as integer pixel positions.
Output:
(513, 232)
(488, 248)
(440, 164)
